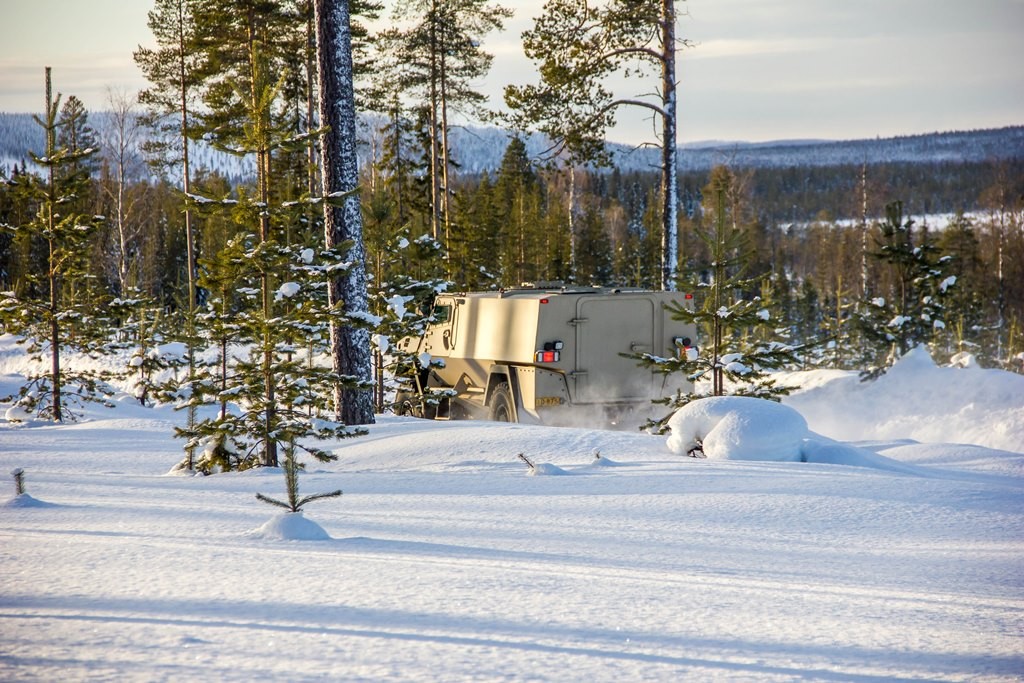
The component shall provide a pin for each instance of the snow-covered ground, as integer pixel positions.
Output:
(447, 561)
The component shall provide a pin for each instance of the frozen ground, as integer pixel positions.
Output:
(447, 561)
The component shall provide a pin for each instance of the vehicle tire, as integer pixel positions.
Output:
(501, 408)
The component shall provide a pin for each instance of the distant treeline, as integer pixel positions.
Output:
(791, 181)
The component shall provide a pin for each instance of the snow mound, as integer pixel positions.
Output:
(412, 444)
(916, 399)
(290, 526)
(964, 457)
(546, 469)
(738, 428)
(24, 500)
(601, 461)
(19, 415)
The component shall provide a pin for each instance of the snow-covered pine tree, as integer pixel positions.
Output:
(57, 309)
(212, 379)
(272, 294)
(404, 304)
(138, 330)
(737, 345)
(294, 337)
(911, 310)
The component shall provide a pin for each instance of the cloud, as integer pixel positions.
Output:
(752, 47)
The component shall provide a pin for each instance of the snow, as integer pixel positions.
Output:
(397, 304)
(917, 400)
(290, 526)
(738, 428)
(445, 560)
(288, 290)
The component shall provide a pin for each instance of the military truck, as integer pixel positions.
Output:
(547, 354)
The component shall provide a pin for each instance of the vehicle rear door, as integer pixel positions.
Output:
(607, 326)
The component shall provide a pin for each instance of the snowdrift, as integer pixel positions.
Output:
(915, 399)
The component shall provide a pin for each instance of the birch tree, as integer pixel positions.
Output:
(120, 140)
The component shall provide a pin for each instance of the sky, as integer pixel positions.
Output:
(756, 70)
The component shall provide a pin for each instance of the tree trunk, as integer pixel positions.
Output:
(190, 254)
(445, 167)
(435, 175)
(670, 178)
(58, 415)
(572, 220)
(350, 347)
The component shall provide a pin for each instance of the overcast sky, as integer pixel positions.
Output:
(758, 69)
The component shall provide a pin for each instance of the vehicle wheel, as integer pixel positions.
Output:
(500, 408)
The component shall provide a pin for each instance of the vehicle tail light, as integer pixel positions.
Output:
(683, 346)
(550, 353)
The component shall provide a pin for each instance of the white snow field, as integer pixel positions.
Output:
(891, 549)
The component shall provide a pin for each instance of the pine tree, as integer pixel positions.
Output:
(517, 202)
(476, 254)
(56, 312)
(138, 322)
(965, 303)
(738, 345)
(579, 47)
(76, 135)
(253, 349)
(350, 348)
(173, 70)
(436, 61)
(911, 312)
(404, 304)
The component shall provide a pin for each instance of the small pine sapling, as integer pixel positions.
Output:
(291, 480)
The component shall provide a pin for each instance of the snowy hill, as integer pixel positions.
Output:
(447, 559)
(480, 149)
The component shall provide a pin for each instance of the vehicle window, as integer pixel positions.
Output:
(442, 314)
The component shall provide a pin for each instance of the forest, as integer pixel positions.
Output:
(124, 233)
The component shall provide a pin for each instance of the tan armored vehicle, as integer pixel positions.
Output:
(548, 355)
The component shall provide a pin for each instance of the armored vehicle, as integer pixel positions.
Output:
(550, 355)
